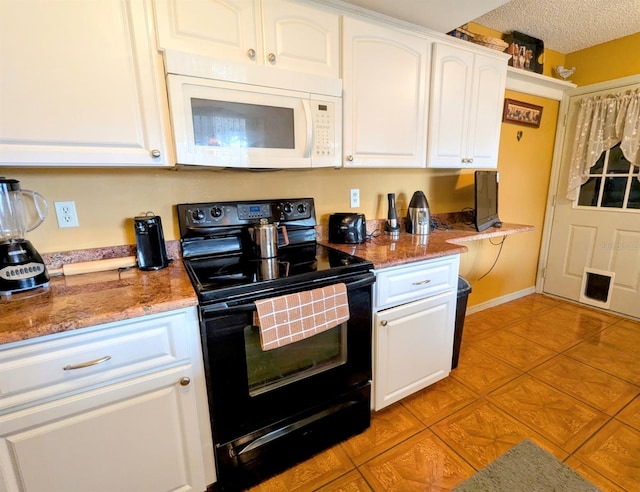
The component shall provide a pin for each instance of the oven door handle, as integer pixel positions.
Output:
(352, 283)
(261, 441)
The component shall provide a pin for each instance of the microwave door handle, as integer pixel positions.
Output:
(307, 114)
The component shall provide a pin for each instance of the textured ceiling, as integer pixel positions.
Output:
(563, 25)
(567, 25)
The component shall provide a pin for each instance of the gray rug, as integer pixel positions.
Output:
(526, 468)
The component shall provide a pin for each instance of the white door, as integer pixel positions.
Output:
(228, 29)
(138, 435)
(384, 76)
(413, 347)
(594, 247)
(301, 38)
(80, 85)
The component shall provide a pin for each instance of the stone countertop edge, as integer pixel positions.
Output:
(73, 302)
(385, 250)
(80, 301)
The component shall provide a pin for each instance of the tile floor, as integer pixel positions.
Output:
(564, 376)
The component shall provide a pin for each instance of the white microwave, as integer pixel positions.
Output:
(246, 125)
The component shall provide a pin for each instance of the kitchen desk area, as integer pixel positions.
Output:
(415, 302)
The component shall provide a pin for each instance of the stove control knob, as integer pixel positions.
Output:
(216, 212)
(197, 214)
(288, 208)
(302, 208)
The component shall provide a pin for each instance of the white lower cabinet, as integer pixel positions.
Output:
(146, 431)
(413, 340)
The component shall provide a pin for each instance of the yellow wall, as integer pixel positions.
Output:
(525, 169)
(607, 61)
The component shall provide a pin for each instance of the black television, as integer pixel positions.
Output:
(485, 191)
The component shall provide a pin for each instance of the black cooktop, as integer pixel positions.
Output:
(234, 276)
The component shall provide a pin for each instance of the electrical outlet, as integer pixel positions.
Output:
(66, 212)
(355, 197)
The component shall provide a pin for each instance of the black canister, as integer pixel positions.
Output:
(152, 252)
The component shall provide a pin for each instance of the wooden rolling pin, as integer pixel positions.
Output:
(99, 265)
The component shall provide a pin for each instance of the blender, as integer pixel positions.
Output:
(21, 266)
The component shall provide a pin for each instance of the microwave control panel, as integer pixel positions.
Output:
(327, 136)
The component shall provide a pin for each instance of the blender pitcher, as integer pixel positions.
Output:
(21, 266)
(14, 220)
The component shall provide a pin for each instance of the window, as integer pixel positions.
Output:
(613, 183)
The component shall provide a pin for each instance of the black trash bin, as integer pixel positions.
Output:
(464, 289)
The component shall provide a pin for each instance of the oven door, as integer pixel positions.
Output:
(255, 391)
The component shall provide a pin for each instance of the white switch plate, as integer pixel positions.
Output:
(355, 197)
(66, 212)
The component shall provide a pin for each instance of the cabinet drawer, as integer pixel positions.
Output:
(398, 285)
(77, 359)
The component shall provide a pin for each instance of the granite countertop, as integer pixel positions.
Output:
(384, 250)
(79, 301)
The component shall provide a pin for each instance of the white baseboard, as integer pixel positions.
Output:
(501, 300)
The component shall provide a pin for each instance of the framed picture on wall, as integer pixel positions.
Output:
(521, 113)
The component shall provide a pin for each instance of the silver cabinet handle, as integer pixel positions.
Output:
(421, 282)
(155, 153)
(350, 158)
(185, 381)
(271, 57)
(90, 363)
(251, 53)
(384, 322)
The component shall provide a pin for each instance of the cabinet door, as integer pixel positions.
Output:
(301, 38)
(413, 347)
(138, 435)
(487, 100)
(226, 29)
(80, 85)
(451, 84)
(384, 76)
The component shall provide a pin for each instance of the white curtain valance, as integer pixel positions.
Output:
(604, 121)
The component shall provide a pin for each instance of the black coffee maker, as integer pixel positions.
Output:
(21, 266)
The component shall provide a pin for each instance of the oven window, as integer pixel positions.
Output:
(271, 369)
(240, 125)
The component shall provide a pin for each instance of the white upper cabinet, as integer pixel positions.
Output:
(467, 93)
(275, 33)
(385, 105)
(80, 84)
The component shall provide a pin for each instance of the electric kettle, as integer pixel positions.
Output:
(418, 217)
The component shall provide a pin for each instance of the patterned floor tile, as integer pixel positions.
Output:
(510, 384)
(562, 419)
(613, 452)
(631, 415)
(481, 432)
(351, 482)
(605, 392)
(616, 350)
(389, 426)
(438, 400)
(515, 350)
(593, 476)
(482, 372)
(559, 329)
(310, 474)
(422, 463)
